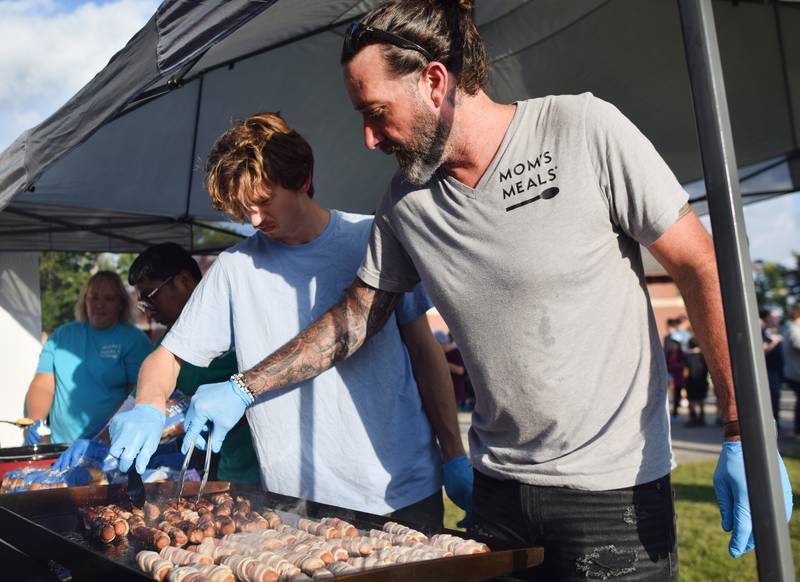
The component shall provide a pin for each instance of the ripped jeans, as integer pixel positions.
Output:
(623, 534)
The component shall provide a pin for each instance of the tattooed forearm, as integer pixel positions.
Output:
(334, 337)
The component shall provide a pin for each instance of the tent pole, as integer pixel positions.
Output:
(773, 551)
(190, 178)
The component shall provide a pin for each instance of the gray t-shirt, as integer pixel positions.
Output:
(537, 271)
(356, 435)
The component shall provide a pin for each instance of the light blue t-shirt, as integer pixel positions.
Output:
(92, 369)
(355, 436)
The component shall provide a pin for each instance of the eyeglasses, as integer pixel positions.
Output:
(147, 302)
(358, 35)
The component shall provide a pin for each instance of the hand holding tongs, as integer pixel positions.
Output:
(182, 474)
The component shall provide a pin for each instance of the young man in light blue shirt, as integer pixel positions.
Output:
(357, 436)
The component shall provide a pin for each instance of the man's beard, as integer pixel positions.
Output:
(423, 154)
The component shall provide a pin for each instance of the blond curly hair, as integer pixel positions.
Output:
(252, 156)
(125, 303)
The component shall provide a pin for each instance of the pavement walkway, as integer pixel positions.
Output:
(700, 443)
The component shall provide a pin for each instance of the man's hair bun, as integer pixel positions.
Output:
(444, 28)
(462, 4)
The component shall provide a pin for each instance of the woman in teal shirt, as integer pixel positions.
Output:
(87, 367)
(165, 275)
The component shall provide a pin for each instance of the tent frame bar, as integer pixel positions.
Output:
(768, 194)
(72, 226)
(759, 438)
(785, 160)
(67, 226)
(181, 79)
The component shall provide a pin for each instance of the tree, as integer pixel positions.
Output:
(777, 285)
(61, 276)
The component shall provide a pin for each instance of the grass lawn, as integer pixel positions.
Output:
(702, 545)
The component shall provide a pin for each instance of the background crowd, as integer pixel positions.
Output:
(688, 373)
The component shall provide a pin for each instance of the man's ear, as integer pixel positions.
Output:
(435, 78)
(185, 280)
(306, 185)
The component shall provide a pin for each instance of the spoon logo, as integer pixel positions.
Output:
(546, 195)
(526, 177)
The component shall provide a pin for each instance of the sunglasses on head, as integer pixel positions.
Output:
(359, 35)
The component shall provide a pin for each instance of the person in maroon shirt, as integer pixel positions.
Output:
(676, 366)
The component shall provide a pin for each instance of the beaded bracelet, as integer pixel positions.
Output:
(238, 379)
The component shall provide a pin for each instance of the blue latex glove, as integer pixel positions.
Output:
(457, 476)
(81, 449)
(135, 435)
(730, 486)
(221, 404)
(77, 477)
(30, 435)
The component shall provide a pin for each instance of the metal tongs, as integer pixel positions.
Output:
(182, 474)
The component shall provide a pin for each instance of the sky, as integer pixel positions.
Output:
(773, 226)
(51, 48)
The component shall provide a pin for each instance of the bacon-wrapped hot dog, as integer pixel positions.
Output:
(458, 546)
(249, 570)
(181, 557)
(273, 519)
(242, 506)
(151, 512)
(152, 564)
(401, 530)
(345, 528)
(216, 573)
(151, 536)
(258, 519)
(176, 535)
(207, 527)
(186, 574)
(224, 525)
(318, 529)
(103, 530)
(243, 523)
(192, 532)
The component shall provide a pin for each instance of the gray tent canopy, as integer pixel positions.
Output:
(119, 166)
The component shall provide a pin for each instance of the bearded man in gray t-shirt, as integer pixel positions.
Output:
(524, 222)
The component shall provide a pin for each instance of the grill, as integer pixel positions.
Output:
(46, 526)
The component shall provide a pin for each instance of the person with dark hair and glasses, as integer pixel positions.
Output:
(524, 221)
(165, 276)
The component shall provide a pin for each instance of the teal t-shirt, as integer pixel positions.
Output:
(92, 369)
